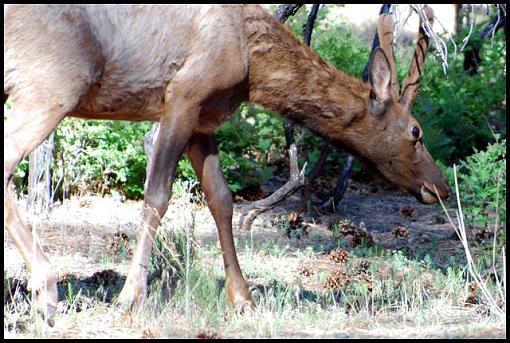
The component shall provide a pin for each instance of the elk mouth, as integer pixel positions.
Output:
(428, 193)
(426, 196)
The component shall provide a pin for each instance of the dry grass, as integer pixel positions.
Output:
(410, 297)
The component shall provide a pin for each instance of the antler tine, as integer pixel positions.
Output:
(412, 81)
(385, 32)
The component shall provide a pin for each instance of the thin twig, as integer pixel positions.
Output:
(496, 225)
(441, 47)
(500, 8)
(472, 19)
(399, 28)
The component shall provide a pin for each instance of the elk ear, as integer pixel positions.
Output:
(379, 76)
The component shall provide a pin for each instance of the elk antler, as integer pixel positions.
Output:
(385, 32)
(412, 81)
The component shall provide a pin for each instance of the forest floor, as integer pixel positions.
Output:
(287, 251)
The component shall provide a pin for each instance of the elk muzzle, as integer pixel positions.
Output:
(432, 183)
(429, 192)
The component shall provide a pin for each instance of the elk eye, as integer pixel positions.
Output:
(416, 132)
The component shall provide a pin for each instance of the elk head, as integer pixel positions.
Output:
(393, 136)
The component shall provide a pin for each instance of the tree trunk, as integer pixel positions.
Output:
(307, 33)
(39, 177)
(285, 11)
(472, 57)
(458, 18)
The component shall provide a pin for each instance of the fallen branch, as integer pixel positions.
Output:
(296, 180)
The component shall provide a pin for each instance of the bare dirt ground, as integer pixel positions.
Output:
(81, 232)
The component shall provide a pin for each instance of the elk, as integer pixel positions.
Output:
(189, 68)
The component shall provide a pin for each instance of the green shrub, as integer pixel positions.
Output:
(482, 185)
(244, 144)
(341, 46)
(20, 177)
(458, 111)
(100, 155)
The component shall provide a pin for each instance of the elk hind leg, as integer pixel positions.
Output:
(206, 164)
(176, 127)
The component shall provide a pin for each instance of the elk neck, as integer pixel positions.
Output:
(287, 77)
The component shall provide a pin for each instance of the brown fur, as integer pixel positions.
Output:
(189, 68)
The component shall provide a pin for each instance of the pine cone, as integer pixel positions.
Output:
(295, 218)
(339, 255)
(471, 299)
(352, 233)
(85, 203)
(407, 211)
(363, 267)
(120, 239)
(305, 270)
(366, 279)
(400, 231)
(292, 223)
(337, 280)
(147, 333)
(347, 224)
(362, 235)
(65, 277)
(370, 282)
(208, 334)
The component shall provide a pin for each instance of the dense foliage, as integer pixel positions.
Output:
(482, 187)
(100, 156)
(460, 112)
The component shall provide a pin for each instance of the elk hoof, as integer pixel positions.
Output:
(47, 312)
(126, 303)
(49, 316)
(245, 307)
(43, 286)
(240, 297)
(130, 299)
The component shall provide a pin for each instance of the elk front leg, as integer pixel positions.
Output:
(206, 164)
(25, 129)
(43, 278)
(175, 130)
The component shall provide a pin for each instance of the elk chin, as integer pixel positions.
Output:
(426, 196)
(430, 192)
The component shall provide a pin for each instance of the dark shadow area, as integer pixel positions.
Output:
(278, 289)
(78, 293)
